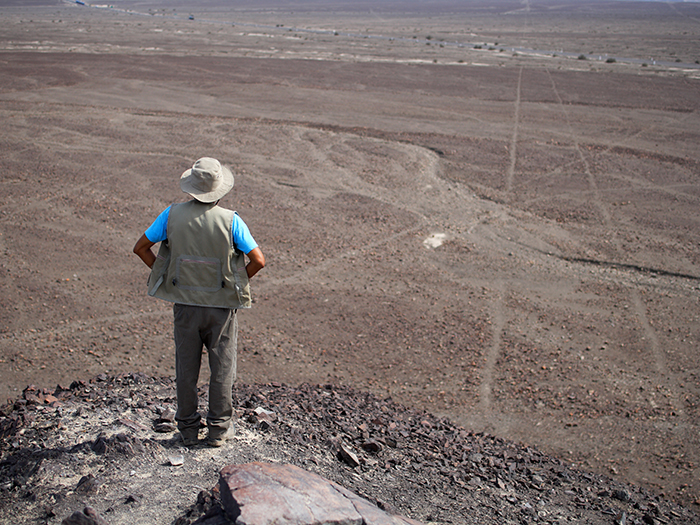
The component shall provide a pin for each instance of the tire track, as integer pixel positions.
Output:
(675, 9)
(660, 364)
(559, 170)
(669, 189)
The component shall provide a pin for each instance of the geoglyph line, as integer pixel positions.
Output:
(494, 350)
(514, 139)
(592, 184)
(669, 120)
(324, 265)
(85, 326)
(640, 310)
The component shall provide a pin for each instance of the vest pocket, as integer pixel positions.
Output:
(241, 284)
(199, 274)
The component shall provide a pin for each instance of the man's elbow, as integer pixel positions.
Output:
(257, 265)
(257, 262)
(256, 256)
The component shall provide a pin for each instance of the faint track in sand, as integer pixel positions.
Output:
(494, 351)
(592, 183)
(308, 274)
(513, 150)
(650, 340)
(675, 10)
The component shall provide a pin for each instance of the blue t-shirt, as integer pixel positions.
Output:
(242, 239)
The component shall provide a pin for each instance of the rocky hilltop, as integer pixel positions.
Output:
(110, 444)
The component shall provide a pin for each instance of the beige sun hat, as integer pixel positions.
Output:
(207, 180)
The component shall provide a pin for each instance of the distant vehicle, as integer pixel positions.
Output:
(191, 17)
(79, 2)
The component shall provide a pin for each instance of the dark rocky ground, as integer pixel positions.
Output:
(94, 444)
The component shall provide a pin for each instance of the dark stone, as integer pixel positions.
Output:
(88, 485)
(372, 446)
(100, 444)
(346, 455)
(621, 495)
(87, 517)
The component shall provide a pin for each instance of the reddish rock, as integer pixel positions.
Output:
(265, 493)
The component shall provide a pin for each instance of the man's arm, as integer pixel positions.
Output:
(142, 248)
(257, 261)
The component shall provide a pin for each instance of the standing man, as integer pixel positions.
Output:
(201, 268)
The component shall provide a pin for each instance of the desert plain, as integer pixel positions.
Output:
(487, 210)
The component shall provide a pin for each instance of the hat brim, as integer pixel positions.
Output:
(212, 196)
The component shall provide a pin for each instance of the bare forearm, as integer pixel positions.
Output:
(257, 262)
(147, 257)
(142, 248)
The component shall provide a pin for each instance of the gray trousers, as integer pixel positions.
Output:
(217, 330)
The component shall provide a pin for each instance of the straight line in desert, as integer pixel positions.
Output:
(559, 170)
(497, 319)
(669, 189)
(659, 358)
(324, 265)
(592, 184)
(651, 338)
(514, 138)
(670, 120)
(494, 350)
(83, 325)
(675, 9)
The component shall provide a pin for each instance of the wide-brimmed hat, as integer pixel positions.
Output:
(207, 180)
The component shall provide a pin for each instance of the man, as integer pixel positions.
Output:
(201, 268)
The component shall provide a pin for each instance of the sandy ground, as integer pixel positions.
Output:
(506, 238)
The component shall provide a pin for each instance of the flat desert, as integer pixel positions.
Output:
(485, 210)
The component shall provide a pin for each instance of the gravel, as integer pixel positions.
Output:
(95, 444)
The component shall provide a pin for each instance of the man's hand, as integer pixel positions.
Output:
(257, 262)
(142, 248)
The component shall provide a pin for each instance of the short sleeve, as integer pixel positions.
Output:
(242, 238)
(158, 231)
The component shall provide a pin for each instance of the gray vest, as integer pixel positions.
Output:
(198, 264)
